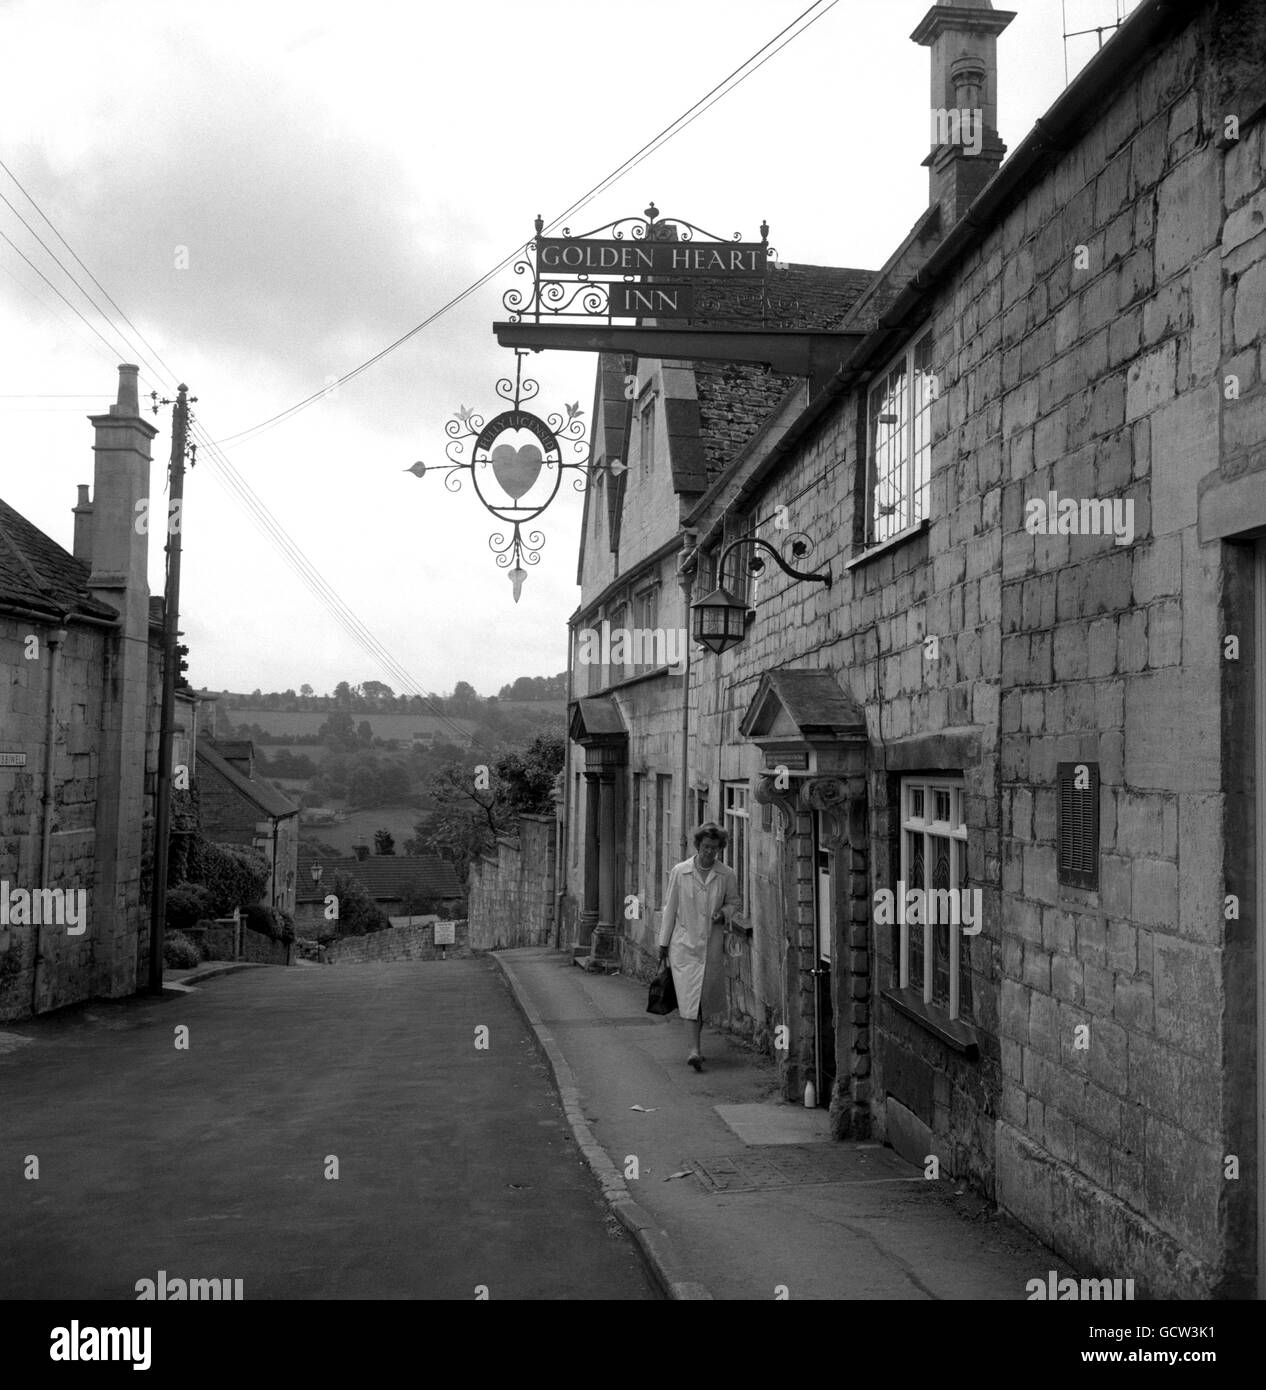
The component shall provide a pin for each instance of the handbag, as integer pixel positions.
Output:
(663, 993)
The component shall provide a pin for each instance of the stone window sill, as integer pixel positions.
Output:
(959, 1036)
(890, 544)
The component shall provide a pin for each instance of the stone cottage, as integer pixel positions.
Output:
(994, 790)
(238, 808)
(80, 663)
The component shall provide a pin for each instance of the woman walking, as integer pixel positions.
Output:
(702, 895)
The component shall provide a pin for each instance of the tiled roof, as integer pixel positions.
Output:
(35, 572)
(812, 700)
(386, 877)
(736, 397)
(268, 799)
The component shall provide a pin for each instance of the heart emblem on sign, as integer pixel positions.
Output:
(516, 469)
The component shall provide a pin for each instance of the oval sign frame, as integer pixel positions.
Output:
(488, 436)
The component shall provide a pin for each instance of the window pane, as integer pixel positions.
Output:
(964, 946)
(914, 879)
(940, 850)
(889, 447)
(923, 393)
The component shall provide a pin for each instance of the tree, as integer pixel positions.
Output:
(305, 690)
(376, 690)
(343, 695)
(384, 842)
(465, 822)
(365, 732)
(526, 778)
(463, 698)
(364, 788)
(338, 732)
(358, 913)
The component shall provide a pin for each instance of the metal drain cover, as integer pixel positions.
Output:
(791, 1165)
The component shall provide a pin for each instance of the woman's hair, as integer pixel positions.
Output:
(711, 830)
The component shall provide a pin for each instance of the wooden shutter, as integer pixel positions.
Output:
(1077, 826)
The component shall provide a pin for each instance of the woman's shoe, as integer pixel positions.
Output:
(696, 1061)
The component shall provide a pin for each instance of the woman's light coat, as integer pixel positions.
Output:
(697, 945)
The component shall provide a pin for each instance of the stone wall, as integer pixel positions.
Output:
(416, 942)
(1112, 386)
(512, 889)
(71, 967)
(220, 943)
(1087, 348)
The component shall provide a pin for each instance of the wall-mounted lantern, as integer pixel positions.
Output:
(719, 620)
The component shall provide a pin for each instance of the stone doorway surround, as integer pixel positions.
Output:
(814, 754)
(597, 725)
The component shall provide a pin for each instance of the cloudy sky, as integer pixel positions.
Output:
(274, 192)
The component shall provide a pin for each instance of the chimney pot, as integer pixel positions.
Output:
(82, 511)
(128, 402)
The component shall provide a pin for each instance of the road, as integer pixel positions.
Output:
(455, 1165)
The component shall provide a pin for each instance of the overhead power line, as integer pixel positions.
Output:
(223, 468)
(671, 130)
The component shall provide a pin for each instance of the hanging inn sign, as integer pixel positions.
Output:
(611, 290)
(664, 288)
(515, 462)
(641, 267)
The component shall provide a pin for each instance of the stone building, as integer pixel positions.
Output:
(80, 662)
(393, 881)
(237, 808)
(1032, 690)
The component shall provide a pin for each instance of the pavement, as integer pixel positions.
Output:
(732, 1193)
(332, 1132)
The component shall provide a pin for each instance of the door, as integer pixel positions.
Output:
(1259, 695)
(824, 881)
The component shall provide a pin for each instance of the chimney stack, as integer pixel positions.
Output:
(963, 116)
(120, 547)
(83, 526)
(118, 553)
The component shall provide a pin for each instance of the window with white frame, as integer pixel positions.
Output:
(931, 956)
(645, 622)
(665, 855)
(736, 822)
(646, 434)
(899, 443)
(738, 577)
(617, 621)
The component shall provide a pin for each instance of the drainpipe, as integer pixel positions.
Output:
(54, 641)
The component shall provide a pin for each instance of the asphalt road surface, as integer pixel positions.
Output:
(455, 1165)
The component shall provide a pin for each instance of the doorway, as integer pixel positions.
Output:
(824, 1020)
(1259, 711)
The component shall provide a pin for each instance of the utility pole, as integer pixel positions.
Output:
(171, 666)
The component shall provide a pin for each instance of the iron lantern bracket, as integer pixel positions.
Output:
(799, 546)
